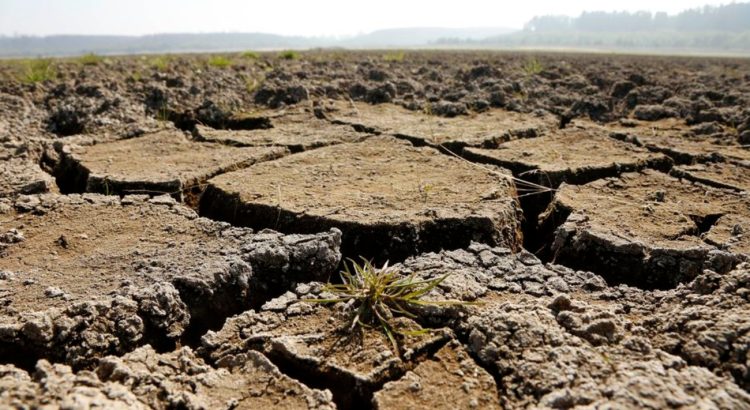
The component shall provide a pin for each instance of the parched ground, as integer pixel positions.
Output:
(168, 224)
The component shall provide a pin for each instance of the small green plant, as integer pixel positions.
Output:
(289, 55)
(379, 294)
(251, 55)
(532, 66)
(90, 59)
(424, 190)
(163, 113)
(137, 75)
(160, 63)
(396, 57)
(219, 62)
(252, 84)
(38, 70)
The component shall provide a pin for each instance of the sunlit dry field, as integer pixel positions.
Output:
(572, 229)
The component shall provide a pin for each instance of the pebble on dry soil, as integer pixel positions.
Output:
(389, 199)
(647, 229)
(488, 128)
(566, 156)
(92, 275)
(163, 162)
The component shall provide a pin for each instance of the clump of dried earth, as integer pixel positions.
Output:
(166, 222)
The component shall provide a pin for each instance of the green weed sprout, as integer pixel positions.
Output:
(219, 62)
(394, 57)
(160, 63)
(379, 294)
(289, 55)
(38, 70)
(90, 59)
(532, 67)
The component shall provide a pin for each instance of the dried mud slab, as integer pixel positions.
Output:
(643, 229)
(567, 156)
(732, 233)
(144, 379)
(296, 133)
(486, 129)
(313, 343)
(720, 175)
(389, 199)
(182, 380)
(448, 380)
(163, 162)
(85, 276)
(557, 338)
(20, 176)
(674, 138)
(57, 386)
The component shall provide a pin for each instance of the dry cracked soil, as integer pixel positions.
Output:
(167, 225)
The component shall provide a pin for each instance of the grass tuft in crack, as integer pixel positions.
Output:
(380, 294)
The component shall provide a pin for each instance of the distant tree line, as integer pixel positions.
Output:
(733, 17)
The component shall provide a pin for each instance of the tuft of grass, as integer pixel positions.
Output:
(252, 84)
(90, 59)
(289, 55)
(532, 66)
(379, 294)
(396, 57)
(219, 62)
(160, 63)
(251, 55)
(38, 70)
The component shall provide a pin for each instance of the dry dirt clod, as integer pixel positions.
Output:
(674, 138)
(153, 273)
(450, 379)
(314, 344)
(145, 379)
(717, 174)
(566, 156)
(558, 338)
(20, 176)
(488, 128)
(296, 131)
(645, 229)
(389, 199)
(166, 162)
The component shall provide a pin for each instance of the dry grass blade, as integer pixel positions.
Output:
(379, 294)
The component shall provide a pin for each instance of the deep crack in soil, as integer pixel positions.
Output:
(628, 175)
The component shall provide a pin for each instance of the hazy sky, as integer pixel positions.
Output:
(304, 17)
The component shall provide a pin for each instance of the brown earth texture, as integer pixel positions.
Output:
(170, 228)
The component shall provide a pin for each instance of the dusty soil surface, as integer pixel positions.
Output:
(721, 175)
(621, 282)
(537, 335)
(23, 176)
(389, 199)
(683, 144)
(167, 162)
(487, 128)
(294, 131)
(566, 156)
(94, 275)
(646, 228)
(145, 379)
